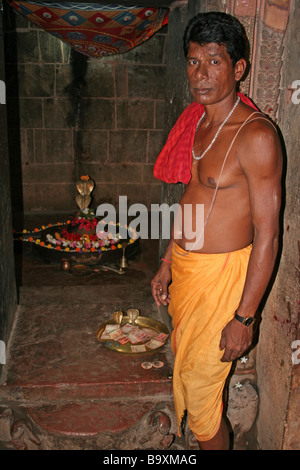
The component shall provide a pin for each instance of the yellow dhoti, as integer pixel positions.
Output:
(205, 292)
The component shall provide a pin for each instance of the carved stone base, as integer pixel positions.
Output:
(16, 431)
(155, 430)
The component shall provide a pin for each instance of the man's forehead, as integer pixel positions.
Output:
(210, 47)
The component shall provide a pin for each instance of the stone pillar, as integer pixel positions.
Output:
(271, 27)
(278, 373)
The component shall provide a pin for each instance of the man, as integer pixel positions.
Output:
(229, 156)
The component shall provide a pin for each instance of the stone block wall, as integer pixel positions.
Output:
(8, 291)
(70, 115)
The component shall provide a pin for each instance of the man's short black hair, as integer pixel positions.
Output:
(220, 28)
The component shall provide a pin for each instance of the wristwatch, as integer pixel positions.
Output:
(247, 321)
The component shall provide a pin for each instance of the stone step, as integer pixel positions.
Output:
(54, 354)
(89, 419)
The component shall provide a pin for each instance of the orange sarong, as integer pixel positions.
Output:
(205, 292)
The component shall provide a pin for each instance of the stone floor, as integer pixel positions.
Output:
(61, 388)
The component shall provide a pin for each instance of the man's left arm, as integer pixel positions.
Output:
(262, 164)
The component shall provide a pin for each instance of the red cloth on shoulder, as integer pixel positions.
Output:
(173, 164)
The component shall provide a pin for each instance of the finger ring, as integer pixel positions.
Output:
(160, 289)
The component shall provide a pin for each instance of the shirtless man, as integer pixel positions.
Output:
(246, 209)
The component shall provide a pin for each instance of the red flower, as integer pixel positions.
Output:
(87, 224)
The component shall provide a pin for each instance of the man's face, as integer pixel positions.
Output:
(210, 73)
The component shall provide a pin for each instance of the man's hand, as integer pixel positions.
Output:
(236, 338)
(160, 283)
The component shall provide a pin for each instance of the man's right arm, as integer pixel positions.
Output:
(160, 282)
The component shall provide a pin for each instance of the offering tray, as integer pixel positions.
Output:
(156, 333)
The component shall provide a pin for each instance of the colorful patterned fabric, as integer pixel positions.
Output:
(95, 30)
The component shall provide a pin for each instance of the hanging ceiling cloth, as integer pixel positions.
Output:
(92, 29)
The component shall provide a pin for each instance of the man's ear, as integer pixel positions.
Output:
(239, 69)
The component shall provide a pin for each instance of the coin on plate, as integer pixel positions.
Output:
(146, 365)
(157, 364)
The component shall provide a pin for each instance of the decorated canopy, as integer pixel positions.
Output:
(92, 29)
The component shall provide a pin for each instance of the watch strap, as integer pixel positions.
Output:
(247, 321)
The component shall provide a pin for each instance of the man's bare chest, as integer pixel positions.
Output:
(214, 170)
(217, 164)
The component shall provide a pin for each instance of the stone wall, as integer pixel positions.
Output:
(8, 292)
(72, 115)
(278, 366)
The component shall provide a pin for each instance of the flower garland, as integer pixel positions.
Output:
(74, 242)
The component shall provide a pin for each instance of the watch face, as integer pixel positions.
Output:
(248, 321)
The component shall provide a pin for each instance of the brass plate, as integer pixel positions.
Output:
(142, 322)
